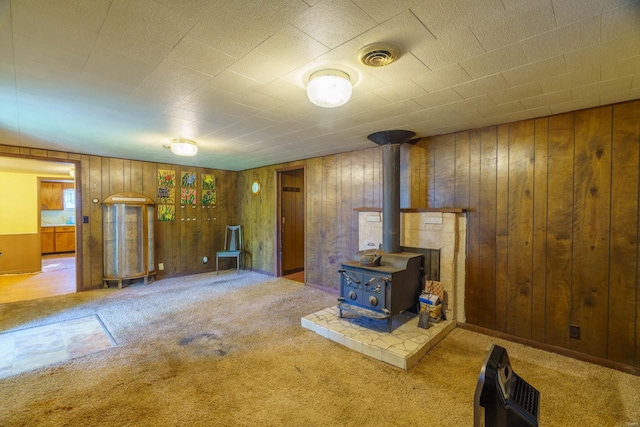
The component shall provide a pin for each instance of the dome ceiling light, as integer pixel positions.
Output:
(183, 147)
(329, 88)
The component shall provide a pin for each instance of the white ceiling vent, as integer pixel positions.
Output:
(378, 54)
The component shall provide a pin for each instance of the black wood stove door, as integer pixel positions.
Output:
(351, 286)
(374, 293)
(365, 290)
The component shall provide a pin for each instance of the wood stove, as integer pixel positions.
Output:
(380, 292)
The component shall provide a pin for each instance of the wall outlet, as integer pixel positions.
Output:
(161, 266)
(574, 332)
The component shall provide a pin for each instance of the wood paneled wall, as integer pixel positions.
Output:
(553, 221)
(335, 185)
(180, 245)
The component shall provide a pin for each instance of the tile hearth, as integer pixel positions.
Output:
(403, 347)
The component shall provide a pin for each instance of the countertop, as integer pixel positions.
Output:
(57, 225)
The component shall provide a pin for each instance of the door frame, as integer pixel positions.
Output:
(278, 216)
(77, 165)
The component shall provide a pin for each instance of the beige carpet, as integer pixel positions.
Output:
(229, 350)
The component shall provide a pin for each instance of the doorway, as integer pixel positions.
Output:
(58, 268)
(291, 224)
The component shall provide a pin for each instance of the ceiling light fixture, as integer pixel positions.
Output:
(329, 88)
(72, 172)
(184, 147)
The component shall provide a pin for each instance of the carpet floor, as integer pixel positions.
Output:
(229, 350)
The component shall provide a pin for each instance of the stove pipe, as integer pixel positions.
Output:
(390, 141)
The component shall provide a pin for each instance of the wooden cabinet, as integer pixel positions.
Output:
(51, 195)
(58, 239)
(65, 239)
(48, 240)
(128, 238)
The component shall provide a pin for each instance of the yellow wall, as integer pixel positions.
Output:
(18, 203)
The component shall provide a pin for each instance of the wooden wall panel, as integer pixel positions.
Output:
(520, 256)
(539, 283)
(345, 207)
(473, 294)
(502, 226)
(418, 175)
(462, 186)
(406, 159)
(97, 191)
(328, 234)
(444, 148)
(428, 174)
(357, 200)
(22, 258)
(591, 222)
(487, 227)
(314, 210)
(623, 288)
(559, 229)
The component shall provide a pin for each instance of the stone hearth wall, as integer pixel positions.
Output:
(430, 230)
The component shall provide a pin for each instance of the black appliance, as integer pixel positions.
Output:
(379, 287)
(502, 398)
(381, 291)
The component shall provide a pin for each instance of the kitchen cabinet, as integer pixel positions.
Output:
(51, 196)
(65, 239)
(55, 195)
(58, 239)
(48, 240)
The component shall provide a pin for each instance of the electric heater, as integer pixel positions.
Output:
(502, 398)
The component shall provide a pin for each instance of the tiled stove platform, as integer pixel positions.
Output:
(403, 347)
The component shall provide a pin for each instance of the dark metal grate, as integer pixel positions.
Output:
(526, 396)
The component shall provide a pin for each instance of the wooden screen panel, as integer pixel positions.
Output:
(591, 221)
(487, 228)
(539, 284)
(621, 343)
(519, 267)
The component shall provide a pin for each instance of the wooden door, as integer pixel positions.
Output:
(292, 221)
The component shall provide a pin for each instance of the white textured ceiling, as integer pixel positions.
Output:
(121, 78)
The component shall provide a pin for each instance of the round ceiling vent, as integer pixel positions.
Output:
(378, 54)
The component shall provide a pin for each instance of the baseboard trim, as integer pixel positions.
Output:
(554, 349)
